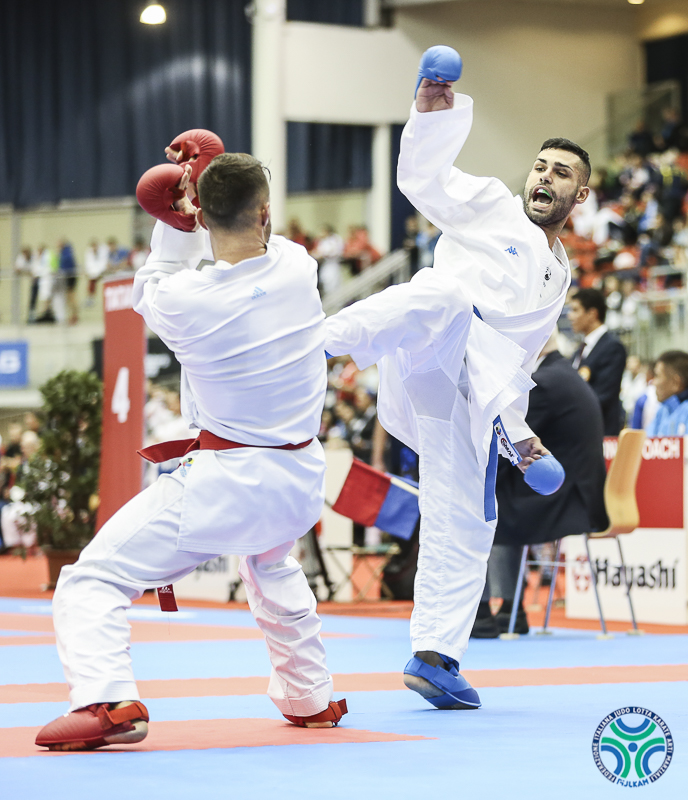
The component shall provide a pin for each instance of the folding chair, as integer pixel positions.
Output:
(384, 552)
(622, 510)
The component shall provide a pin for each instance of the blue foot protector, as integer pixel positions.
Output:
(455, 690)
(545, 475)
(440, 64)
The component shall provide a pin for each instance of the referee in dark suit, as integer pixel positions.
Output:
(563, 411)
(601, 358)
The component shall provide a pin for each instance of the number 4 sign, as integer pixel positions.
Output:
(124, 350)
(120, 397)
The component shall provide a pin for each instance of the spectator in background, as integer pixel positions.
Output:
(116, 257)
(641, 140)
(66, 284)
(138, 254)
(32, 423)
(340, 431)
(328, 253)
(47, 266)
(633, 384)
(10, 458)
(613, 299)
(362, 426)
(647, 405)
(671, 385)
(12, 448)
(95, 264)
(673, 187)
(601, 358)
(12, 520)
(296, 234)
(669, 135)
(358, 249)
(630, 304)
(28, 263)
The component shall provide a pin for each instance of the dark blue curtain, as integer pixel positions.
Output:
(328, 157)
(335, 12)
(667, 59)
(401, 207)
(90, 97)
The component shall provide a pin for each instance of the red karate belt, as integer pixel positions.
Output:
(157, 453)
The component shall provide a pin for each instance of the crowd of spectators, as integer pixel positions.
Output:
(55, 273)
(634, 220)
(338, 258)
(21, 442)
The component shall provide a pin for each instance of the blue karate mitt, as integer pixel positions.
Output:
(441, 64)
(545, 475)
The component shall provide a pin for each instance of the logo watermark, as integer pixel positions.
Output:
(632, 747)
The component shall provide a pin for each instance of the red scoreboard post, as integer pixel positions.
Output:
(124, 350)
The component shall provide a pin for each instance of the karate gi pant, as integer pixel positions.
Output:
(455, 539)
(137, 550)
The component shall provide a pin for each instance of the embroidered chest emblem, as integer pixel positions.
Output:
(184, 466)
(512, 251)
(258, 292)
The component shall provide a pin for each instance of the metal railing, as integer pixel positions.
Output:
(393, 268)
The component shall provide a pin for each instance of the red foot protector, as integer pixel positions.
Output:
(156, 192)
(332, 714)
(94, 726)
(198, 147)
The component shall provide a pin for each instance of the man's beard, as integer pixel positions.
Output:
(558, 211)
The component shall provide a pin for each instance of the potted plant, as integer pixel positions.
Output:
(60, 482)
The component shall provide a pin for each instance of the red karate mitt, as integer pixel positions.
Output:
(158, 189)
(198, 148)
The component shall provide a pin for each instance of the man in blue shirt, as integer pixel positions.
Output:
(671, 383)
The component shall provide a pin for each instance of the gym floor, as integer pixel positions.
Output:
(214, 733)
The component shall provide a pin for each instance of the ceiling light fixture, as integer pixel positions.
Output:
(154, 14)
(636, 2)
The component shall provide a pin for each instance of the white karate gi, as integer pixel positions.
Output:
(445, 374)
(250, 338)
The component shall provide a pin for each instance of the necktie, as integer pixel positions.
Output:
(578, 357)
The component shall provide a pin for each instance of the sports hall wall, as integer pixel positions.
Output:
(535, 69)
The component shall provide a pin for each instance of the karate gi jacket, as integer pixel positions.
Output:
(491, 256)
(250, 340)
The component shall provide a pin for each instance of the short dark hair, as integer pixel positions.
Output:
(559, 143)
(592, 298)
(676, 361)
(232, 186)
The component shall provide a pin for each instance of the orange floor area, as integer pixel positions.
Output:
(27, 577)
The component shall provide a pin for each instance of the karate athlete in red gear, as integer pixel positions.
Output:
(248, 331)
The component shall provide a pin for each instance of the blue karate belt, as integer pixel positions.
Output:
(499, 434)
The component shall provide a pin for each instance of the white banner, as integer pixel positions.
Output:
(656, 568)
